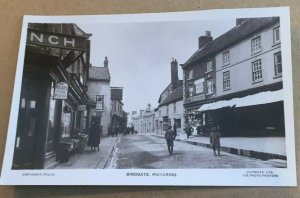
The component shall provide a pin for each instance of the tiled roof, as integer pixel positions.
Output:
(99, 73)
(176, 95)
(236, 34)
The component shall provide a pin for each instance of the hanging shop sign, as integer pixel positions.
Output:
(57, 40)
(61, 91)
(81, 108)
(100, 102)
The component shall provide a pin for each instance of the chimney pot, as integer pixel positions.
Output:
(105, 62)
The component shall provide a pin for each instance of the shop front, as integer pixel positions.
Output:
(50, 95)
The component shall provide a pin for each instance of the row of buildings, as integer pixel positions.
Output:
(233, 82)
(61, 94)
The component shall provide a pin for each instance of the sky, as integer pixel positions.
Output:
(140, 54)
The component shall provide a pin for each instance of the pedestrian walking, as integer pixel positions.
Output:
(170, 136)
(94, 135)
(215, 140)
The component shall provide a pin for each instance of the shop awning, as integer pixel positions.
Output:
(255, 99)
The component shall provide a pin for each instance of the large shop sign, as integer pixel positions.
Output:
(57, 40)
(61, 91)
(100, 102)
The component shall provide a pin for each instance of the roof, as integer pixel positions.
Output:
(176, 95)
(99, 73)
(247, 28)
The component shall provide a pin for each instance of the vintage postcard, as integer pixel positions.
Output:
(200, 98)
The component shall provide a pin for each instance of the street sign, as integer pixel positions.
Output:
(100, 102)
(61, 91)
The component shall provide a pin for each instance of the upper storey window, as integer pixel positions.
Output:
(256, 44)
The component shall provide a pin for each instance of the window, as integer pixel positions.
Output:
(226, 80)
(177, 123)
(190, 74)
(256, 71)
(209, 66)
(278, 64)
(199, 85)
(276, 35)
(209, 86)
(226, 58)
(191, 89)
(99, 102)
(256, 44)
(174, 107)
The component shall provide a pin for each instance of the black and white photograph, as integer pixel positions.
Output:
(201, 93)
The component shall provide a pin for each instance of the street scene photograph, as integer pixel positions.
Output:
(198, 94)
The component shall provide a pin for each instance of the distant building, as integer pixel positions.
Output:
(99, 89)
(118, 121)
(235, 81)
(170, 109)
(144, 122)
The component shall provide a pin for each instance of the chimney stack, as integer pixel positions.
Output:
(106, 62)
(174, 73)
(203, 40)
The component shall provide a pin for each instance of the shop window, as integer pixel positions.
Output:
(276, 35)
(256, 71)
(226, 58)
(66, 120)
(278, 64)
(51, 123)
(256, 44)
(226, 80)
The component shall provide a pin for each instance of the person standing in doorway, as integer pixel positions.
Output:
(215, 140)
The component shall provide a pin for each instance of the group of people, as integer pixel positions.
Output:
(214, 138)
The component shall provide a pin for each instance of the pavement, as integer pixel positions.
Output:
(265, 148)
(91, 159)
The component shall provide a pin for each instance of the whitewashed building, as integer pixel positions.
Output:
(240, 76)
(170, 110)
(99, 85)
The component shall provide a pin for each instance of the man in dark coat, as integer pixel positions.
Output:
(170, 136)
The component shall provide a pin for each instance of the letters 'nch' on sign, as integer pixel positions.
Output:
(56, 40)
